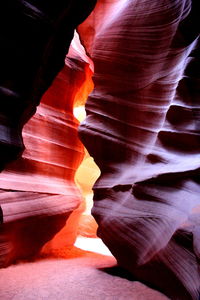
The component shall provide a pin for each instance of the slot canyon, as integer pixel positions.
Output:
(100, 143)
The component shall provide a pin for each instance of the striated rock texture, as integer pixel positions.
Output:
(37, 191)
(143, 130)
(35, 37)
(85, 178)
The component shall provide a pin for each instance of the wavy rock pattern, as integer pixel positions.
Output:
(38, 192)
(35, 37)
(142, 128)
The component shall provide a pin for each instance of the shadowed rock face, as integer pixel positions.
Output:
(35, 37)
(142, 128)
(37, 191)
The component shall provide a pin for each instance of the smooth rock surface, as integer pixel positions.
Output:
(35, 38)
(143, 130)
(37, 189)
(38, 192)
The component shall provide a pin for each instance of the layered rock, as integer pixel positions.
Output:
(142, 128)
(38, 192)
(35, 37)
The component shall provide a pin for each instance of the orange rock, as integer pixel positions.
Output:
(38, 192)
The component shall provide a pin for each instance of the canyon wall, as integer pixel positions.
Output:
(143, 130)
(35, 38)
(37, 190)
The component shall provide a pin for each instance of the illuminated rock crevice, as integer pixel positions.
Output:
(142, 128)
(38, 192)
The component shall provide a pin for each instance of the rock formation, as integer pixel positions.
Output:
(37, 191)
(35, 37)
(142, 128)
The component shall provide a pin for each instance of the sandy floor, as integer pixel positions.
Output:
(78, 276)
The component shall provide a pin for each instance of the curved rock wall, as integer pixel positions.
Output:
(35, 37)
(38, 192)
(142, 128)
